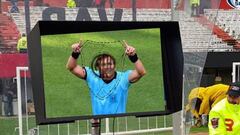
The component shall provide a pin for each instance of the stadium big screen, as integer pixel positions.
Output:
(60, 96)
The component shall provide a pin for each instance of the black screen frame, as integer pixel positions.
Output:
(172, 57)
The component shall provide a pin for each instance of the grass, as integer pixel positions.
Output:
(199, 129)
(8, 126)
(67, 95)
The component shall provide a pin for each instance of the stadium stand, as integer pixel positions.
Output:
(163, 4)
(195, 36)
(228, 24)
(195, 33)
(8, 34)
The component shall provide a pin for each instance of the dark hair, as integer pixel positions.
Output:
(97, 60)
(196, 103)
(29, 101)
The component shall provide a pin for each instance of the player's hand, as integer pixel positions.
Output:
(129, 50)
(76, 47)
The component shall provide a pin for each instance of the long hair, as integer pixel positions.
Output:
(98, 59)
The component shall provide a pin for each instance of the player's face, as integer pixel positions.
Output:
(107, 68)
(234, 99)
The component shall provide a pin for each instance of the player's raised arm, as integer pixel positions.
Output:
(139, 70)
(72, 61)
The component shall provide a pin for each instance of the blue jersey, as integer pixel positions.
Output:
(108, 98)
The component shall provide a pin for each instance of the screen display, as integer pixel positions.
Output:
(84, 70)
(67, 94)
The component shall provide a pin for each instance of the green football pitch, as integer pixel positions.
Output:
(9, 126)
(67, 95)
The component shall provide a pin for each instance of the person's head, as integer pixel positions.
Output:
(194, 101)
(105, 64)
(29, 101)
(234, 93)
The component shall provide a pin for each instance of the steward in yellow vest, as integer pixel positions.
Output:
(71, 4)
(22, 44)
(224, 117)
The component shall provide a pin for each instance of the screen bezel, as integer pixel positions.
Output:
(172, 58)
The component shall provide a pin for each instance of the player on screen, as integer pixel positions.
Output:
(108, 87)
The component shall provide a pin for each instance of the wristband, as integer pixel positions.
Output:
(133, 58)
(75, 55)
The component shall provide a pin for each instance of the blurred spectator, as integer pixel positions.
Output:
(111, 2)
(202, 99)
(14, 8)
(195, 7)
(179, 4)
(71, 4)
(205, 4)
(8, 103)
(22, 44)
(84, 3)
(30, 107)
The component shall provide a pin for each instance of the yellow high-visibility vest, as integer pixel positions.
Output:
(224, 119)
(71, 4)
(195, 2)
(22, 43)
